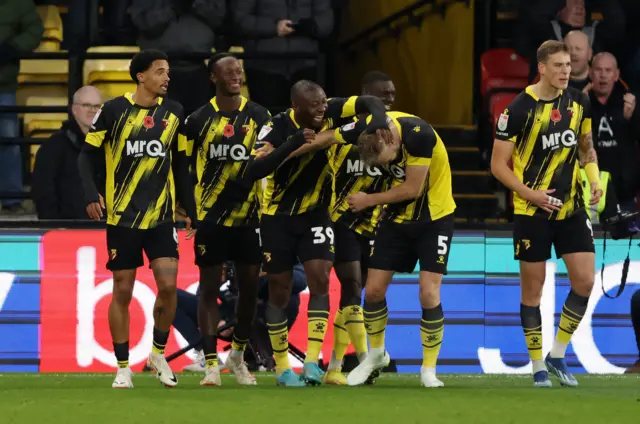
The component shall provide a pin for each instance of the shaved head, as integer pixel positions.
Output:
(580, 51)
(87, 92)
(604, 73)
(606, 59)
(309, 103)
(302, 88)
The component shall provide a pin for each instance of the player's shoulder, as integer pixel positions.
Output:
(204, 111)
(173, 107)
(577, 96)
(117, 103)
(256, 110)
(524, 101)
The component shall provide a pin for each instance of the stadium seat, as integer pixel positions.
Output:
(52, 22)
(42, 125)
(110, 76)
(502, 68)
(42, 78)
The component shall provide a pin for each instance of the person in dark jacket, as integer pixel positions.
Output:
(616, 128)
(553, 19)
(281, 27)
(181, 26)
(57, 187)
(20, 32)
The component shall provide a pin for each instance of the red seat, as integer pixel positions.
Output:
(502, 68)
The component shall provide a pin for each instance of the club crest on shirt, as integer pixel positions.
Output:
(264, 131)
(349, 126)
(503, 120)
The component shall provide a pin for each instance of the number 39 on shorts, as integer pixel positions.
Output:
(321, 234)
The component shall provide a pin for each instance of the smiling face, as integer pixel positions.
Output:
(310, 108)
(156, 78)
(227, 76)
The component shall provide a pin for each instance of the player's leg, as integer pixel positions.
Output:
(532, 248)
(210, 248)
(247, 256)
(125, 256)
(349, 320)
(573, 239)
(315, 250)
(279, 257)
(393, 252)
(433, 247)
(161, 247)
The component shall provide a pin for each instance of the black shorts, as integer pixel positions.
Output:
(399, 246)
(533, 236)
(351, 246)
(215, 244)
(125, 245)
(289, 239)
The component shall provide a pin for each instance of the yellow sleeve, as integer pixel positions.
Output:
(416, 161)
(96, 138)
(585, 128)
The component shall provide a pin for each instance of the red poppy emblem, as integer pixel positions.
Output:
(555, 115)
(148, 122)
(228, 131)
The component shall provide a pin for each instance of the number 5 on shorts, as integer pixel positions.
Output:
(319, 234)
(443, 247)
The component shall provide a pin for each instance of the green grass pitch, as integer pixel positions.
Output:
(396, 399)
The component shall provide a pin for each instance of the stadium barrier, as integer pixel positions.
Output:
(55, 291)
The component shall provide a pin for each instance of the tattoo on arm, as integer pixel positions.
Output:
(587, 151)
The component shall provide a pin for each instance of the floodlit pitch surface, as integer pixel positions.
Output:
(396, 398)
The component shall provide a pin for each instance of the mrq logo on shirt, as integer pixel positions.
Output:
(480, 297)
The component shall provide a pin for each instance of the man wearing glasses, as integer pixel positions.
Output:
(57, 188)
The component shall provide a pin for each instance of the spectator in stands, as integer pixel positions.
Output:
(281, 26)
(20, 32)
(543, 20)
(181, 26)
(581, 52)
(57, 187)
(635, 320)
(80, 15)
(608, 205)
(616, 128)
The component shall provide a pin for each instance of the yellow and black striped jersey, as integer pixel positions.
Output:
(351, 175)
(546, 135)
(220, 144)
(303, 183)
(420, 145)
(138, 143)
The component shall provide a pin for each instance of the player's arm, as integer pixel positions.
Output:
(272, 134)
(343, 108)
(510, 125)
(181, 175)
(89, 158)
(587, 153)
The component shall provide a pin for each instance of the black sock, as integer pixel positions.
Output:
(531, 321)
(210, 349)
(121, 351)
(635, 316)
(159, 340)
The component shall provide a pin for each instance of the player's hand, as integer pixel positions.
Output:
(543, 200)
(587, 88)
(101, 200)
(629, 105)
(191, 232)
(284, 28)
(385, 135)
(358, 201)
(596, 194)
(309, 135)
(94, 211)
(265, 150)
